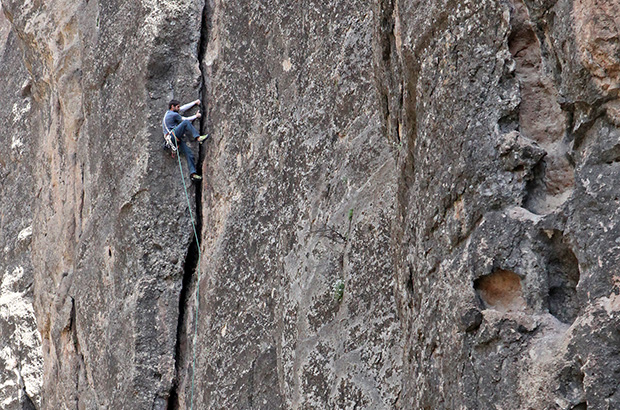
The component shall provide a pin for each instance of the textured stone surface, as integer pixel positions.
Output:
(406, 204)
(301, 181)
(111, 228)
(20, 343)
(300, 195)
(508, 203)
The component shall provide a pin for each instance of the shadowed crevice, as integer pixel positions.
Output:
(181, 348)
(540, 117)
(563, 277)
(27, 403)
(192, 259)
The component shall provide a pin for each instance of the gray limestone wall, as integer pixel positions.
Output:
(507, 214)
(298, 201)
(21, 358)
(406, 204)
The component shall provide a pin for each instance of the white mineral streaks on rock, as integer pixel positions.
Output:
(19, 110)
(286, 65)
(16, 143)
(25, 233)
(24, 356)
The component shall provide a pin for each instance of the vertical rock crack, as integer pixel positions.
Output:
(183, 348)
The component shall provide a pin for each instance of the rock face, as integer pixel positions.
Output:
(300, 197)
(406, 204)
(20, 343)
(508, 203)
(111, 229)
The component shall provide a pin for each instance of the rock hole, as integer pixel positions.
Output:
(571, 386)
(501, 290)
(509, 122)
(26, 89)
(409, 280)
(563, 277)
(611, 155)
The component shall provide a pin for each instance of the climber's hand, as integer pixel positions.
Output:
(197, 102)
(198, 115)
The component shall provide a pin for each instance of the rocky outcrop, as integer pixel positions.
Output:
(507, 205)
(111, 231)
(406, 204)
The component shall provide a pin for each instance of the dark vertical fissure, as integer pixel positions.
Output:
(204, 124)
(192, 262)
(388, 70)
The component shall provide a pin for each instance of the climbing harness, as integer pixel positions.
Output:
(197, 304)
(168, 144)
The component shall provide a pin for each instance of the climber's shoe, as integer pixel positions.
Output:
(195, 177)
(202, 138)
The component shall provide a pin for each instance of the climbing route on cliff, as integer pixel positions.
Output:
(197, 300)
(408, 207)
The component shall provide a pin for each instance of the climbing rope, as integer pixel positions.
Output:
(191, 215)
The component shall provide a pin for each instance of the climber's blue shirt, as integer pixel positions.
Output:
(171, 120)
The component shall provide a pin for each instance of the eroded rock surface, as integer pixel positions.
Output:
(20, 342)
(509, 205)
(406, 204)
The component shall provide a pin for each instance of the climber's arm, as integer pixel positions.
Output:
(189, 105)
(193, 117)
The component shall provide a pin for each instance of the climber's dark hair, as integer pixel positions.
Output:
(173, 102)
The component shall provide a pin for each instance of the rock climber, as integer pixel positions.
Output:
(175, 127)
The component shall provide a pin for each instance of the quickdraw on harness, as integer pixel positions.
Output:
(169, 145)
(168, 142)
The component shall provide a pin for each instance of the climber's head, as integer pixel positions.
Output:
(174, 105)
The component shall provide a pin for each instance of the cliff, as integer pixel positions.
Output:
(405, 204)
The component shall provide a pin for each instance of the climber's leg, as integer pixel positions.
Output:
(189, 156)
(184, 127)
